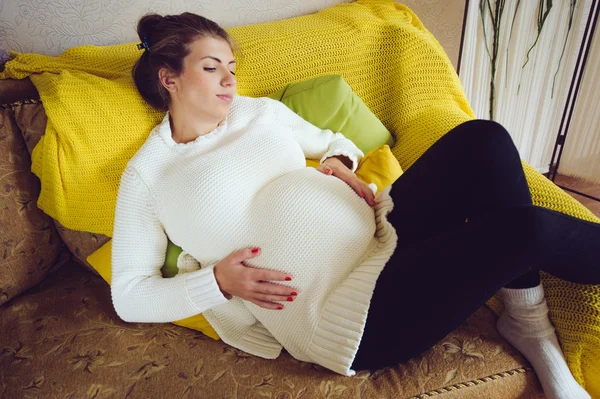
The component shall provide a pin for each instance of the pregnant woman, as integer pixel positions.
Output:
(309, 259)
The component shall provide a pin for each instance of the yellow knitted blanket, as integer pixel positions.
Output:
(97, 121)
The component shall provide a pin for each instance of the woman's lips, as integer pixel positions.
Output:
(225, 97)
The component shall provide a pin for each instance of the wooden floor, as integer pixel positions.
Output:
(582, 186)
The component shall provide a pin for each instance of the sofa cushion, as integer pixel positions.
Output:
(31, 120)
(30, 247)
(67, 341)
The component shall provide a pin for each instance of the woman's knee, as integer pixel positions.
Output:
(489, 143)
(487, 134)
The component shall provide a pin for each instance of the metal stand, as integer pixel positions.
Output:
(572, 96)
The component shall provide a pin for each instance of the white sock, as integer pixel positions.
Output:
(525, 324)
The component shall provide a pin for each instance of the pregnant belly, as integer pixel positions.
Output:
(318, 230)
(310, 225)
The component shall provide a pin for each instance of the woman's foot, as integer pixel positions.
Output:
(526, 326)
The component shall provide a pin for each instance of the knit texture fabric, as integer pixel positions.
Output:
(246, 185)
(380, 48)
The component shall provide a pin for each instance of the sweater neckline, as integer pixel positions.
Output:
(164, 131)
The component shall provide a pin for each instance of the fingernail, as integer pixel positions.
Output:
(279, 307)
(290, 299)
(255, 251)
(294, 293)
(288, 279)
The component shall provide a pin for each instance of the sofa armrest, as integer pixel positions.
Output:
(13, 90)
(30, 246)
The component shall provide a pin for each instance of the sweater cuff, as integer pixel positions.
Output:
(353, 157)
(203, 290)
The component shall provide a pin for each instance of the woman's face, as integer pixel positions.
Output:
(207, 84)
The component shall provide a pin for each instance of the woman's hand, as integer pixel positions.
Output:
(335, 167)
(251, 284)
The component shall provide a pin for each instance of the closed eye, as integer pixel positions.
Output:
(214, 69)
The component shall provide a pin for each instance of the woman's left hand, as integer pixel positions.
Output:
(335, 167)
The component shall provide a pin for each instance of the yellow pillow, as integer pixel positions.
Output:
(101, 261)
(379, 167)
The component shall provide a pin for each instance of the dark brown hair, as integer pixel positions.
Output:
(168, 41)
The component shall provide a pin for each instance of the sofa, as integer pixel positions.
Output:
(60, 336)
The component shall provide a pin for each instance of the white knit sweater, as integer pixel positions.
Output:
(243, 185)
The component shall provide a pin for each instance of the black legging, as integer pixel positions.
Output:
(444, 269)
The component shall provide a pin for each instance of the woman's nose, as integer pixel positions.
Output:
(229, 80)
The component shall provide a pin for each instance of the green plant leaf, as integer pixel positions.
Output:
(508, 44)
(482, 7)
(542, 15)
(572, 12)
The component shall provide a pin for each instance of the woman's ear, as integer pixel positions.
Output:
(167, 79)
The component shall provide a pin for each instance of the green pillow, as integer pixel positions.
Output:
(328, 102)
(170, 268)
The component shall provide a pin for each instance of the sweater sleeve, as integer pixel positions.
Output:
(315, 142)
(139, 291)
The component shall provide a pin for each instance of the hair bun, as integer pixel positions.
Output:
(147, 25)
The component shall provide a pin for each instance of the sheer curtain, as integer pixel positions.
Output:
(525, 102)
(581, 156)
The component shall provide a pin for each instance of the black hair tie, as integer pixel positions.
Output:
(144, 44)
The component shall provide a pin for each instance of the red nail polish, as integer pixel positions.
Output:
(290, 299)
(288, 279)
(279, 307)
(255, 251)
(294, 293)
